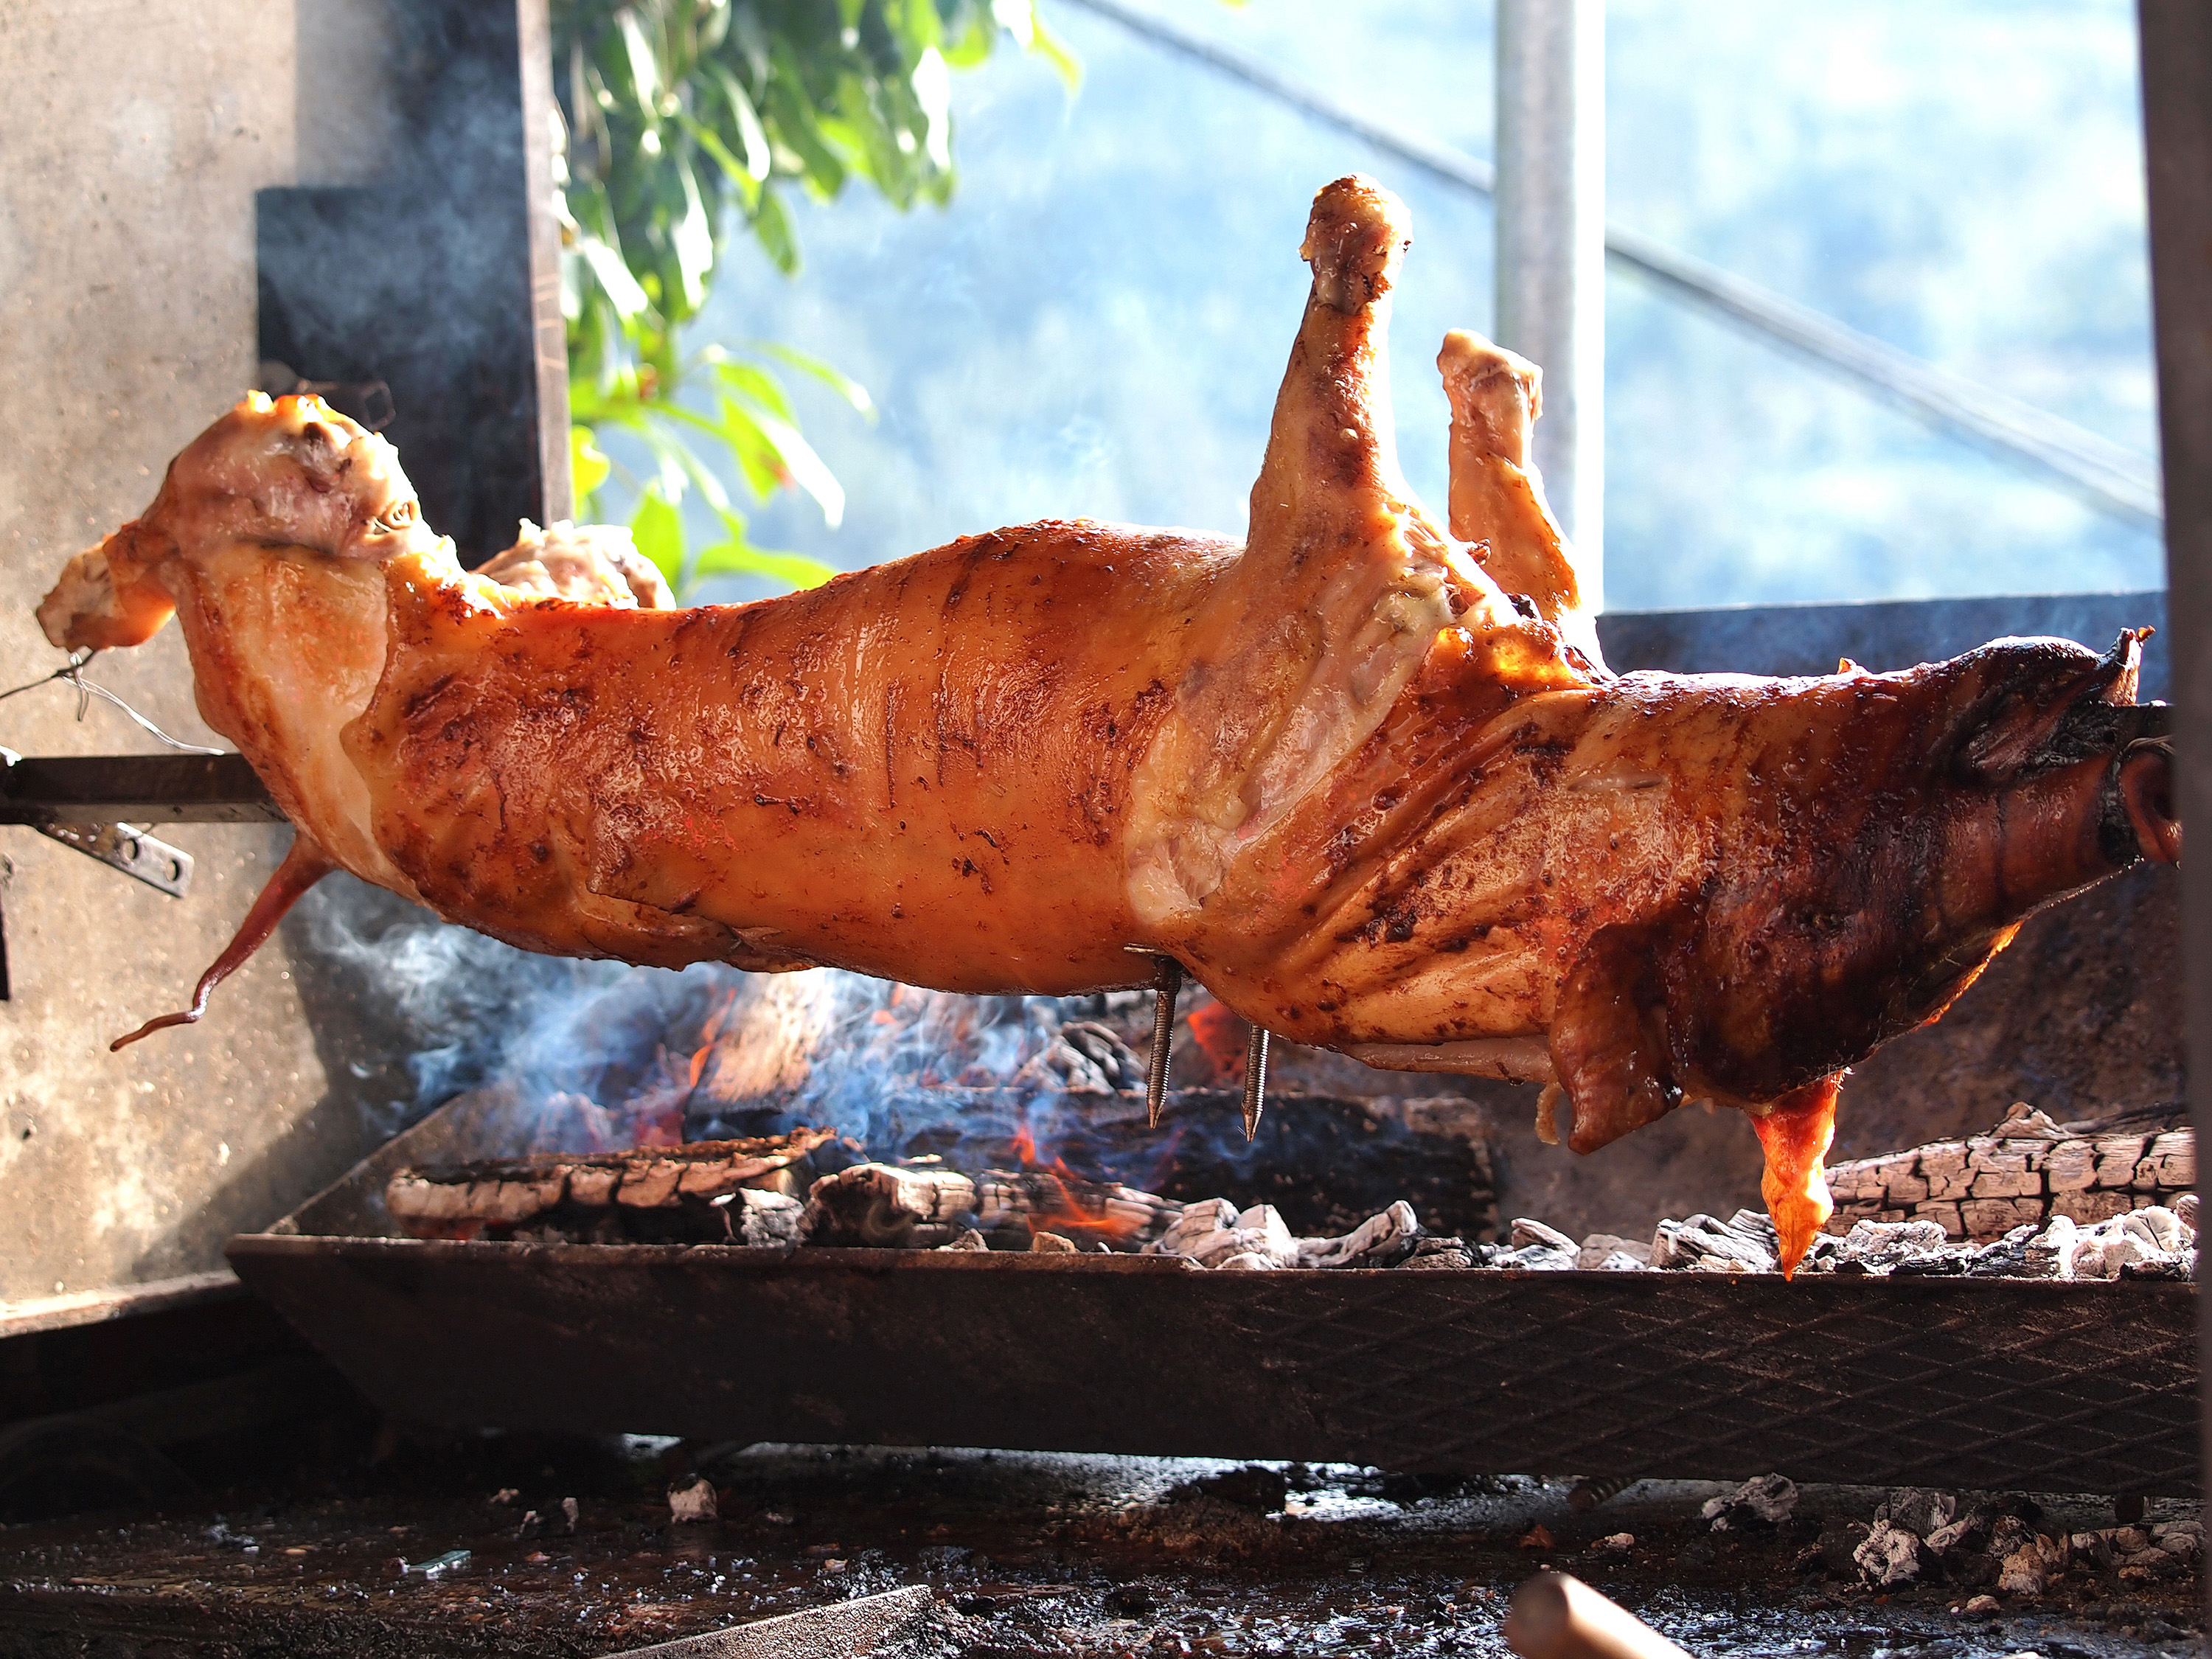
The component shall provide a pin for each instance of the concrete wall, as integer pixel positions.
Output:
(131, 140)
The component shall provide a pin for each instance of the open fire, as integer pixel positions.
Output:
(1015, 1124)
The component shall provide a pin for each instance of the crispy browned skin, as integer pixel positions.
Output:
(919, 771)
(1367, 779)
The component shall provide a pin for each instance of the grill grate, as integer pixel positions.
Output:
(1970, 1383)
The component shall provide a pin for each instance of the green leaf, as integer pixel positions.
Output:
(797, 123)
(587, 462)
(614, 276)
(749, 446)
(843, 385)
(807, 470)
(674, 451)
(1047, 45)
(693, 240)
(741, 178)
(751, 134)
(932, 91)
(644, 69)
(772, 225)
(658, 529)
(757, 384)
(736, 557)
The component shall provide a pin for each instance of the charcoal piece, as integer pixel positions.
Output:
(1765, 1500)
(666, 1195)
(1440, 1255)
(1217, 1234)
(883, 1206)
(1704, 1242)
(1920, 1510)
(1890, 1557)
(1012, 1199)
(1324, 1163)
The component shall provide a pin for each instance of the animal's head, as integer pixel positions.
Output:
(286, 471)
(1891, 831)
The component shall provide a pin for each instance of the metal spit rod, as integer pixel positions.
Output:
(1255, 1081)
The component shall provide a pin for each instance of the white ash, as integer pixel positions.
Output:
(1609, 1253)
(1918, 1533)
(1381, 1241)
(883, 1206)
(1536, 1248)
(1746, 1243)
(762, 1220)
(1216, 1234)
(1765, 1500)
(1889, 1557)
(915, 1207)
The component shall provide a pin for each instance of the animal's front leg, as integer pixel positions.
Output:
(1297, 655)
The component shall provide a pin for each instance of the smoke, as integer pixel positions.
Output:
(893, 1068)
(458, 1011)
(588, 1056)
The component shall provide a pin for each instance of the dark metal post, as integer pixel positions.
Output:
(540, 125)
(1550, 246)
(2177, 80)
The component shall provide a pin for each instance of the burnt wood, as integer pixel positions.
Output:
(1966, 1383)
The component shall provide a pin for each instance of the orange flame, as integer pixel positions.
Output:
(1066, 1210)
(1224, 1037)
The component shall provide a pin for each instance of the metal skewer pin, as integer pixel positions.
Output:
(1167, 986)
(1255, 1081)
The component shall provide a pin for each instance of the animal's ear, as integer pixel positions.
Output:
(1609, 1037)
(107, 598)
(2047, 713)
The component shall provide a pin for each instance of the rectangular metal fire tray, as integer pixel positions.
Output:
(1952, 1382)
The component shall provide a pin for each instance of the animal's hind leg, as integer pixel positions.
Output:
(1497, 495)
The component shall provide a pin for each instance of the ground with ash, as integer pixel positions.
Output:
(515, 1545)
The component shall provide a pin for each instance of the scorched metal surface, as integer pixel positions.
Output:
(1950, 1382)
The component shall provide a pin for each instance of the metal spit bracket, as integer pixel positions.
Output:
(81, 801)
(126, 847)
(38, 805)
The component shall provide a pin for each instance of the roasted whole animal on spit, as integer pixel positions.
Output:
(1365, 775)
